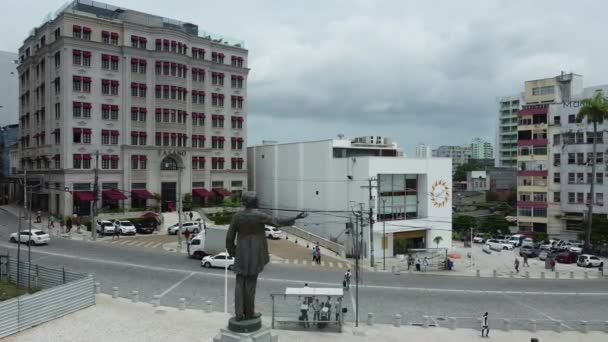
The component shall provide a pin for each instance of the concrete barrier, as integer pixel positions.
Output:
(533, 325)
(425, 321)
(115, 292)
(370, 318)
(478, 273)
(556, 275)
(584, 326)
(397, 320)
(156, 301)
(511, 275)
(182, 304)
(452, 321)
(323, 242)
(542, 275)
(97, 288)
(135, 296)
(606, 327)
(527, 274)
(506, 325)
(494, 273)
(571, 275)
(586, 275)
(208, 306)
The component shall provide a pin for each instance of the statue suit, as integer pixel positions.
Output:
(250, 252)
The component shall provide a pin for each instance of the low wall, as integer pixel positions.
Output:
(61, 293)
(313, 238)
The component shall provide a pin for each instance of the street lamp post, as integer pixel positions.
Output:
(384, 242)
(179, 208)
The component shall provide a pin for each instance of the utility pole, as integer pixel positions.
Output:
(384, 242)
(179, 208)
(95, 195)
(357, 269)
(29, 244)
(19, 232)
(371, 219)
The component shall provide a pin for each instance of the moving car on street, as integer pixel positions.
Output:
(191, 226)
(218, 260)
(208, 242)
(125, 227)
(105, 227)
(273, 233)
(588, 260)
(37, 237)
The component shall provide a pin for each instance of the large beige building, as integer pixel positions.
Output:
(154, 102)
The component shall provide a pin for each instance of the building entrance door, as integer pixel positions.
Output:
(57, 205)
(404, 241)
(168, 191)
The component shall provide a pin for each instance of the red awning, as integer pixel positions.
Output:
(143, 194)
(201, 193)
(83, 196)
(113, 195)
(222, 192)
(149, 214)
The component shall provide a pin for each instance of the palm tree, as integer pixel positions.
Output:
(595, 110)
(437, 240)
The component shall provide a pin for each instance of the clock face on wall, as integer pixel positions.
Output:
(440, 193)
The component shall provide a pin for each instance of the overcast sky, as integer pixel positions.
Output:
(417, 71)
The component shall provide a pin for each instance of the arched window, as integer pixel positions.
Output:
(168, 164)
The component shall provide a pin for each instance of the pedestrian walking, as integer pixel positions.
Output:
(516, 265)
(314, 255)
(191, 216)
(552, 263)
(77, 224)
(410, 261)
(51, 221)
(484, 325)
(346, 281)
(304, 314)
(187, 234)
(526, 261)
(116, 234)
(68, 225)
(39, 216)
(316, 308)
(318, 255)
(418, 264)
(425, 264)
(338, 308)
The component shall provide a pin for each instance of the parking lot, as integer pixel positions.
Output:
(503, 262)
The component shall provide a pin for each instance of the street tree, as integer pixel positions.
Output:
(594, 110)
(437, 240)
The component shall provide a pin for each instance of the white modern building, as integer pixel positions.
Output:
(157, 104)
(481, 149)
(423, 151)
(411, 197)
(506, 132)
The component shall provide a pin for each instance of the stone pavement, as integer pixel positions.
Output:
(121, 320)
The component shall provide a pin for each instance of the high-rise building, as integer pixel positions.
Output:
(481, 149)
(423, 151)
(506, 133)
(8, 88)
(156, 104)
(555, 157)
(460, 154)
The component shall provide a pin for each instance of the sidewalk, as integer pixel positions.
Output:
(121, 320)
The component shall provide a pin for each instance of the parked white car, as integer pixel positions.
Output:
(38, 237)
(574, 247)
(125, 227)
(105, 227)
(218, 260)
(273, 233)
(588, 260)
(479, 238)
(191, 226)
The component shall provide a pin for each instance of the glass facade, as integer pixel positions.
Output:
(398, 197)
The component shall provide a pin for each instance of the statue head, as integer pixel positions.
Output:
(250, 199)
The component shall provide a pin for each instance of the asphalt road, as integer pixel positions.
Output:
(173, 276)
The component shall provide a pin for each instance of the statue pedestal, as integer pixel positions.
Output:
(250, 330)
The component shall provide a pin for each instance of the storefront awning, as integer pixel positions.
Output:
(222, 192)
(83, 196)
(201, 193)
(113, 195)
(142, 193)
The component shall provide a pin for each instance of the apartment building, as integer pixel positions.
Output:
(459, 154)
(423, 151)
(506, 134)
(555, 157)
(8, 88)
(157, 105)
(481, 149)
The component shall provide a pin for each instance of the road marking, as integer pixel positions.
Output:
(124, 242)
(333, 284)
(156, 245)
(176, 284)
(537, 310)
(140, 244)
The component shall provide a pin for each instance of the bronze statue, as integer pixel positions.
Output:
(250, 252)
